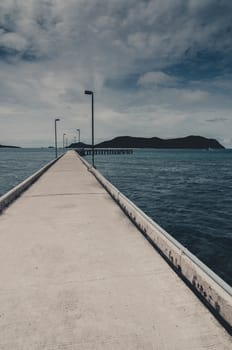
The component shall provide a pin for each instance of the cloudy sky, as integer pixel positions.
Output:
(157, 68)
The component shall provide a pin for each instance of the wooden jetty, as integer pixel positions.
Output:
(106, 151)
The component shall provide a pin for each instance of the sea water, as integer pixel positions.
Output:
(16, 164)
(187, 192)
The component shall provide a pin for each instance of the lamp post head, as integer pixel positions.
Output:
(57, 119)
(88, 92)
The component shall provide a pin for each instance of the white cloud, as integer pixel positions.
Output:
(13, 41)
(192, 96)
(155, 78)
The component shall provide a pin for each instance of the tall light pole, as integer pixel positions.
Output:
(63, 140)
(79, 135)
(56, 120)
(87, 92)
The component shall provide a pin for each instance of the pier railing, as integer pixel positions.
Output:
(215, 293)
(15, 192)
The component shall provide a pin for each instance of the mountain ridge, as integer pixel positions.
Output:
(188, 142)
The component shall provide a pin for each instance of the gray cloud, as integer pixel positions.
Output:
(215, 120)
(51, 50)
(155, 78)
(140, 29)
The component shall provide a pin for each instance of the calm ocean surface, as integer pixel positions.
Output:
(187, 192)
(16, 164)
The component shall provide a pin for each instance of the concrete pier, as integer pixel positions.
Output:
(76, 273)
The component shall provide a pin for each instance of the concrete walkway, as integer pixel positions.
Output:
(76, 274)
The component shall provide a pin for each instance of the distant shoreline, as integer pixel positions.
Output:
(189, 142)
(6, 146)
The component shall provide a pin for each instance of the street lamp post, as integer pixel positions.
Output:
(63, 140)
(79, 138)
(56, 120)
(87, 92)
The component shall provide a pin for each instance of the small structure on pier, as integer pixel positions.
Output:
(88, 151)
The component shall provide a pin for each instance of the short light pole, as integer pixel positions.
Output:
(79, 138)
(87, 92)
(56, 120)
(63, 140)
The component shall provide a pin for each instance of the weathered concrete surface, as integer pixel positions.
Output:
(76, 274)
(215, 293)
(11, 195)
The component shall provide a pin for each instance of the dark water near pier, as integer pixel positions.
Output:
(16, 164)
(189, 193)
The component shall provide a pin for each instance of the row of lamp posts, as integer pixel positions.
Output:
(87, 92)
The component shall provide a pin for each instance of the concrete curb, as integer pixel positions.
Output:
(15, 192)
(215, 293)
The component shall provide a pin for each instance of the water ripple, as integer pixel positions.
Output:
(188, 192)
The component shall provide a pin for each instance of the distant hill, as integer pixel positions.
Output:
(189, 142)
(4, 146)
(79, 145)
